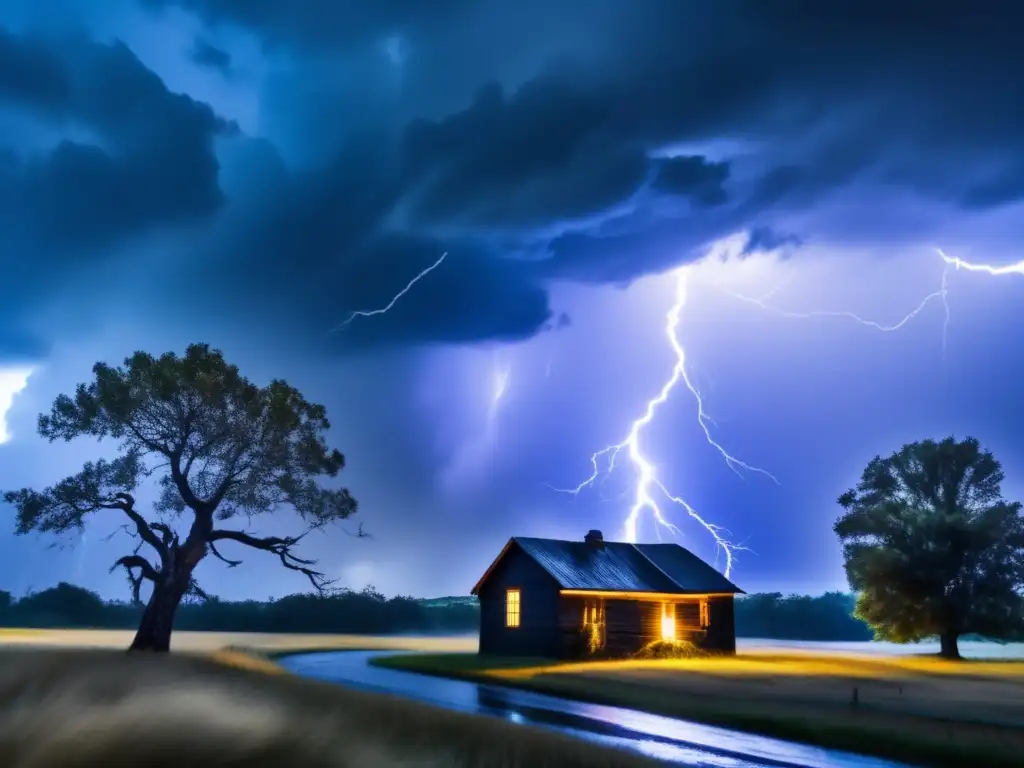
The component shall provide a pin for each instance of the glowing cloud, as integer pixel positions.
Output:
(12, 382)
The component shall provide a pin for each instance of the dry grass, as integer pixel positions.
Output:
(97, 708)
(913, 709)
(213, 641)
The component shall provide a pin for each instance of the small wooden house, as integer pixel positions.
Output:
(572, 599)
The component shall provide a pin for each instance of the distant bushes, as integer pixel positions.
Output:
(367, 611)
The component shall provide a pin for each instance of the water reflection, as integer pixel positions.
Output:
(677, 741)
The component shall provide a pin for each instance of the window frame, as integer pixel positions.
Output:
(518, 604)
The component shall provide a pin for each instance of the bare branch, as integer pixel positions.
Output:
(145, 571)
(280, 546)
(219, 556)
(126, 503)
(359, 533)
(167, 534)
(123, 528)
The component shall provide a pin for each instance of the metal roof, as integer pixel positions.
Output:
(686, 569)
(621, 567)
(578, 565)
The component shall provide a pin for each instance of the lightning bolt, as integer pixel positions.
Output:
(1016, 268)
(649, 489)
(941, 295)
(395, 300)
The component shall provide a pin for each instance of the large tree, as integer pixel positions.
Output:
(933, 548)
(220, 449)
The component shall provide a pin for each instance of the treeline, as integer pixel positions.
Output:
(345, 611)
(828, 617)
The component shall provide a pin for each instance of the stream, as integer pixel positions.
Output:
(675, 741)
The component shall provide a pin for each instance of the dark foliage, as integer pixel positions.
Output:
(343, 611)
(797, 617)
(933, 548)
(828, 617)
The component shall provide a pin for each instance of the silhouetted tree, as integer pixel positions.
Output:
(932, 547)
(222, 448)
(66, 605)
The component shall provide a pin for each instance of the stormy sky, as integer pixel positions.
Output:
(249, 173)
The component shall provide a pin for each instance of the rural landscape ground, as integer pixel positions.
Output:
(915, 709)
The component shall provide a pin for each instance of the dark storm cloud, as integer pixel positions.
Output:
(316, 248)
(31, 75)
(206, 54)
(764, 239)
(323, 22)
(471, 296)
(104, 152)
(148, 157)
(19, 345)
(827, 96)
(692, 177)
(500, 132)
(542, 154)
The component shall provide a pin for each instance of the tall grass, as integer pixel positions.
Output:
(105, 709)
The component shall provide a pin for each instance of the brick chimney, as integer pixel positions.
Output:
(595, 539)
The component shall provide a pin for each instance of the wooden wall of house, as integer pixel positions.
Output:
(629, 625)
(537, 633)
(573, 639)
(721, 635)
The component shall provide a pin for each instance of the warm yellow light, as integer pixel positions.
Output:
(668, 628)
(512, 606)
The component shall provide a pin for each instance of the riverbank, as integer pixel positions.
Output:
(910, 709)
(96, 708)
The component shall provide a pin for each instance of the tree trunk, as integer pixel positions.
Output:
(949, 647)
(154, 633)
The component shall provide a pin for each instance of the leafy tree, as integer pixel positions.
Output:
(222, 450)
(932, 547)
(76, 606)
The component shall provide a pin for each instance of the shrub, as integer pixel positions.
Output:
(670, 649)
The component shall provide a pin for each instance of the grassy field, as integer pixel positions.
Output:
(95, 708)
(270, 644)
(913, 709)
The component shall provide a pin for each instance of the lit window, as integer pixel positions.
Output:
(668, 622)
(512, 608)
(705, 618)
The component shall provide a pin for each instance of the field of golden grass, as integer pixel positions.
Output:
(204, 642)
(914, 709)
(68, 708)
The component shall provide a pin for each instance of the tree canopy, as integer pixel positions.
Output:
(221, 450)
(932, 547)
